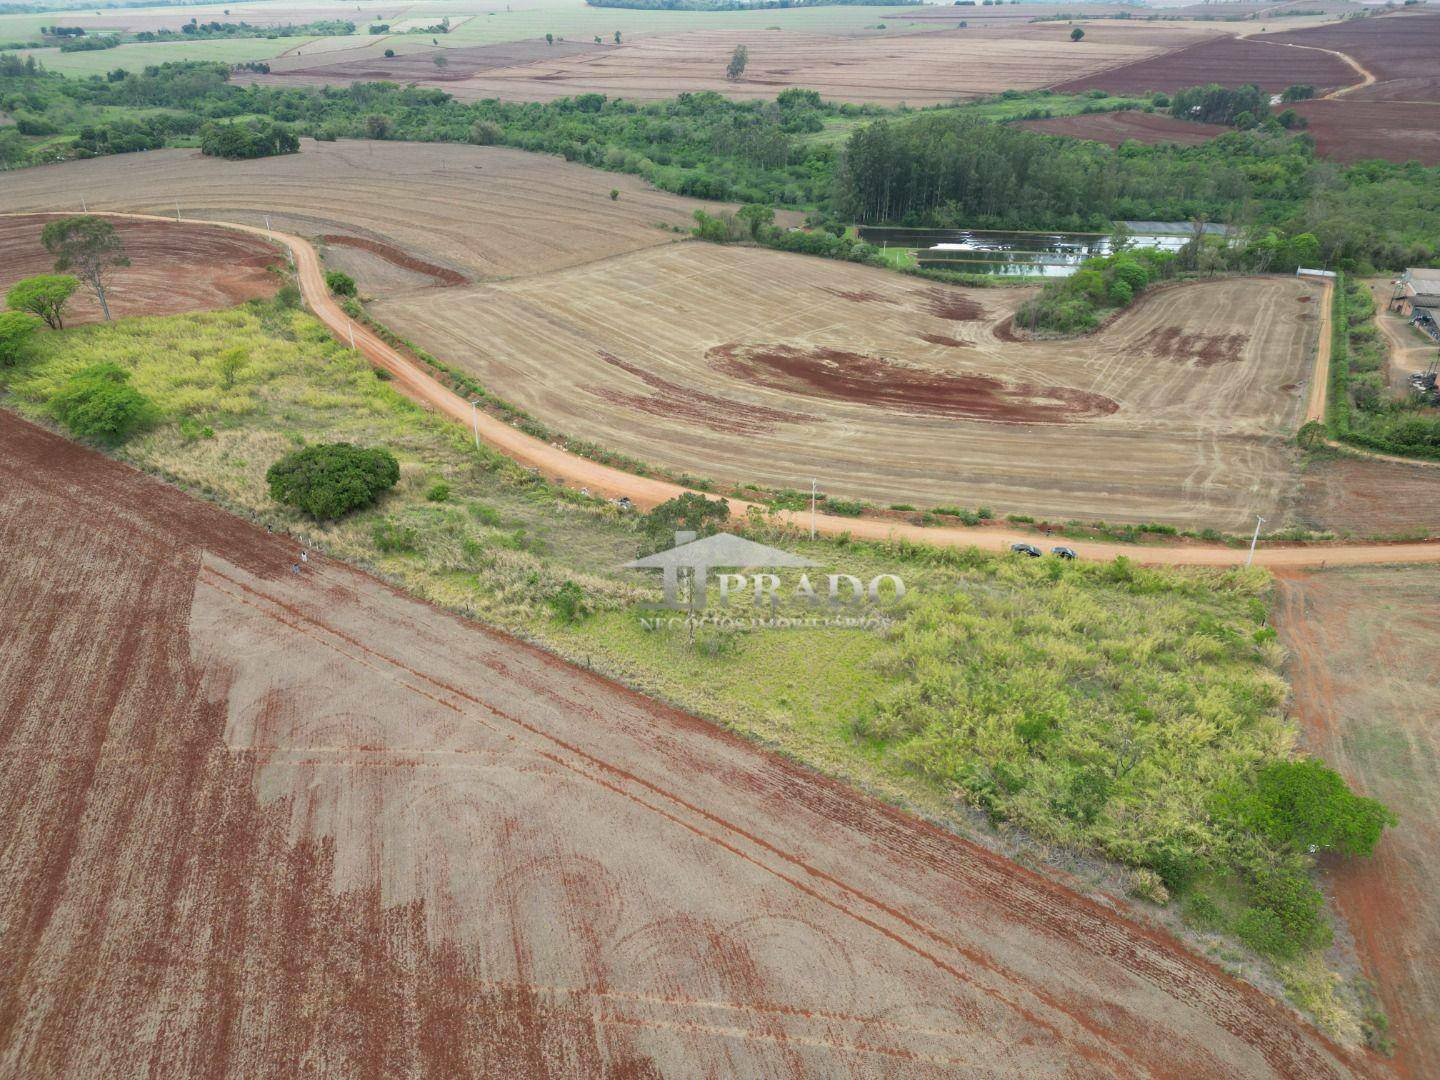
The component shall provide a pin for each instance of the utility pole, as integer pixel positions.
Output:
(83, 208)
(268, 235)
(177, 211)
(812, 508)
(475, 419)
(1254, 539)
(351, 325)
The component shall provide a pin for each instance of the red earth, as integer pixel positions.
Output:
(173, 267)
(258, 823)
(1114, 128)
(1227, 60)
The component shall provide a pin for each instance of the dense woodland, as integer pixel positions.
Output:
(940, 167)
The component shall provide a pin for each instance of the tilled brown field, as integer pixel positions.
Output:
(919, 69)
(173, 268)
(1115, 128)
(257, 824)
(1366, 670)
(1361, 496)
(1227, 60)
(1399, 50)
(470, 210)
(750, 365)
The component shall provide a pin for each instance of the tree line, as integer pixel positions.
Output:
(941, 167)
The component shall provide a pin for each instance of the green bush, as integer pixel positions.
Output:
(568, 603)
(339, 283)
(16, 327)
(844, 507)
(100, 403)
(439, 491)
(1286, 915)
(331, 479)
(690, 512)
(393, 539)
(1305, 806)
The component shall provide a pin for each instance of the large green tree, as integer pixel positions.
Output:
(89, 246)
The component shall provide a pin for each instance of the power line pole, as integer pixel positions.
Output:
(1254, 539)
(812, 508)
(475, 419)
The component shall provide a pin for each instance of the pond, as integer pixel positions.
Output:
(1033, 254)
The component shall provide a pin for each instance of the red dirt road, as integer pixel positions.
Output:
(257, 824)
(646, 492)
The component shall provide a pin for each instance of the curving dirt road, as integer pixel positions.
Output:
(645, 492)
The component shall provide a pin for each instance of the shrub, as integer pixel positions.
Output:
(15, 330)
(393, 539)
(288, 296)
(339, 283)
(844, 507)
(439, 491)
(485, 133)
(100, 403)
(690, 512)
(331, 479)
(568, 603)
(1286, 915)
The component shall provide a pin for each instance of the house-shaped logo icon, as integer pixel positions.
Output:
(701, 556)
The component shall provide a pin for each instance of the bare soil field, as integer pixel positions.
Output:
(1228, 60)
(173, 268)
(919, 69)
(253, 819)
(1399, 50)
(1115, 128)
(1358, 496)
(694, 357)
(418, 67)
(478, 212)
(1366, 672)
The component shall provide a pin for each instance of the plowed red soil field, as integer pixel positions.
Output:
(1227, 60)
(1366, 671)
(255, 824)
(1114, 128)
(1399, 50)
(173, 268)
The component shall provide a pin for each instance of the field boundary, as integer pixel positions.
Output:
(568, 468)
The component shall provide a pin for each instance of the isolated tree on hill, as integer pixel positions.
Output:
(441, 61)
(44, 295)
(738, 59)
(549, 39)
(1077, 34)
(617, 37)
(89, 246)
(597, 39)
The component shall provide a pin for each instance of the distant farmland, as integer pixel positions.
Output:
(696, 357)
(918, 69)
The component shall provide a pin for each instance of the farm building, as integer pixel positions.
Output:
(1417, 292)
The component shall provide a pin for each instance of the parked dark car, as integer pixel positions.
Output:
(1026, 549)
(1063, 552)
